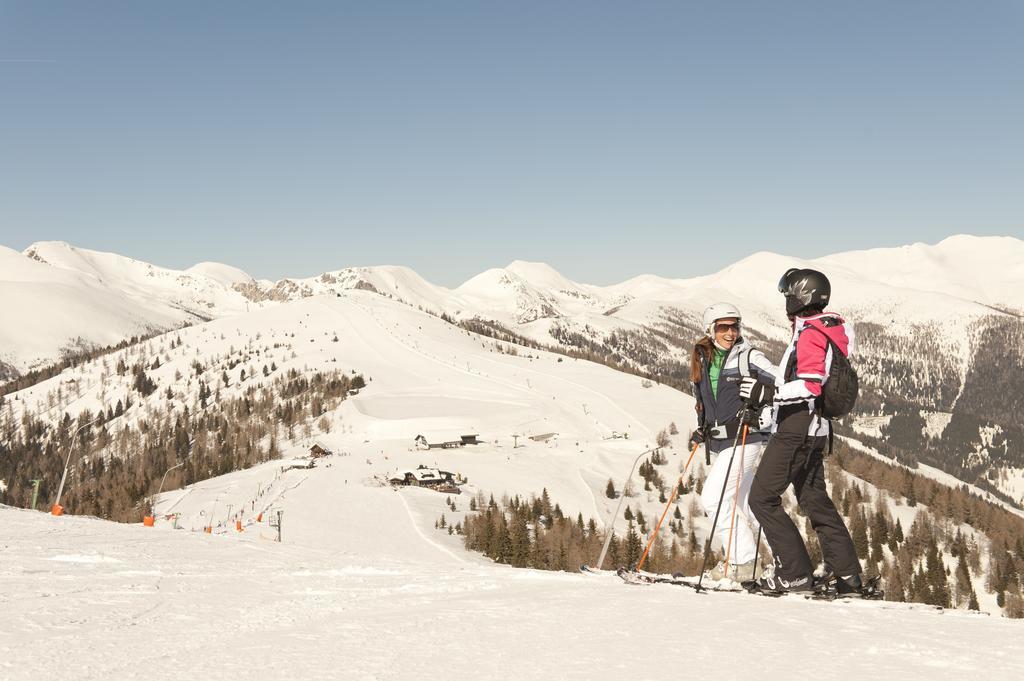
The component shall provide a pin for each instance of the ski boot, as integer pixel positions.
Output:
(771, 584)
(833, 586)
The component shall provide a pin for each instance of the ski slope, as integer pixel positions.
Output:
(425, 377)
(363, 585)
(343, 598)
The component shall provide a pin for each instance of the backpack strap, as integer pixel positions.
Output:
(744, 360)
(817, 402)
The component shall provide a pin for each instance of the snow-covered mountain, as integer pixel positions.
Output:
(952, 283)
(925, 317)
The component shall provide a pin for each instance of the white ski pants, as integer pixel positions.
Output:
(744, 533)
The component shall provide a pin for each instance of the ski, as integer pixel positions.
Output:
(823, 591)
(634, 577)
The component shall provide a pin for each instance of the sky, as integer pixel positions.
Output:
(607, 139)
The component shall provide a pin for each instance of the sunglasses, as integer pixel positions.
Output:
(722, 328)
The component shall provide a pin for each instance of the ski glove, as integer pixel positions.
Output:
(696, 438)
(753, 391)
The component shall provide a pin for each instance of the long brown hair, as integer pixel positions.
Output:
(703, 350)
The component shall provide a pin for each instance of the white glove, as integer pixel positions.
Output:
(747, 386)
(754, 392)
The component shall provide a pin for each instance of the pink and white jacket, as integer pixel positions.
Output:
(805, 364)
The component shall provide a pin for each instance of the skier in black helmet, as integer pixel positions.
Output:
(795, 451)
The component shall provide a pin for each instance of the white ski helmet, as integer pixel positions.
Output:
(716, 312)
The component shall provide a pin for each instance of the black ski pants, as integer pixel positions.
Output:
(793, 457)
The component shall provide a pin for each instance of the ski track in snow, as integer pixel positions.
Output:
(425, 538)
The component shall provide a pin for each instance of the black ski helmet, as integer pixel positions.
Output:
(804, 289)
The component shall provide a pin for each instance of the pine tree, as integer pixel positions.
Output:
(545, 505)
(634, 547)
(880, 527)
(938, 586)
(609, 490)
(859, 532)
(519, 540)
(879, 534)
(964, 588)
(894, 585)
(614, 551)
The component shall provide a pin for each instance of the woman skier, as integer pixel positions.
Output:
(719, 362)
(799, 435)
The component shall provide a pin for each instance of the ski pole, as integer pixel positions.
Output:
(611, 525)
(735, 501)
(675, 490)
(714, 523)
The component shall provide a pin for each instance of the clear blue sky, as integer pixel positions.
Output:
(605, 138)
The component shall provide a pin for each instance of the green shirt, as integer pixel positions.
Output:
(717, 360)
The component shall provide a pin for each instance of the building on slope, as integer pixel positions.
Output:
(431, 478)
(446, 440)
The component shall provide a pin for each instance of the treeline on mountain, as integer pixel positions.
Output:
(903, 380)
(933, 561)
(916, 365)
(7, 372)
(535, 533)
(117, 462)
(577, 345)
(994, 387)
(987, 419)
(73, 355)
(948, 509)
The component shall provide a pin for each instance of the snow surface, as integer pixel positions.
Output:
(341, 598)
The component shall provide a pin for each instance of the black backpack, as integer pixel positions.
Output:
(839, 392)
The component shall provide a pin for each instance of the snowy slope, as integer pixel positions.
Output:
(363, 585)
(988, 270)
(47, 309)
(919, 284)
(55, 296)
(342, 599)
(192, 293)
(426, 376)
(398, 283)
